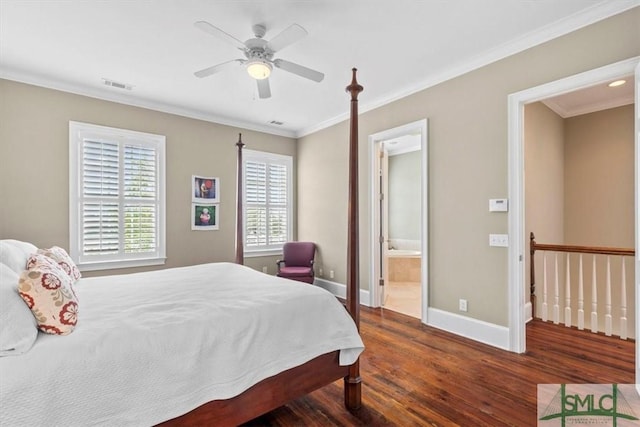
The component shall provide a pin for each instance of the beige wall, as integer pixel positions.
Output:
(34, 174)
(599, 178)
(579, 191)
(404, 196)
(467, 165)
(544, 184)
(544, 173)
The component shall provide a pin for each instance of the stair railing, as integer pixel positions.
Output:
(580, 250)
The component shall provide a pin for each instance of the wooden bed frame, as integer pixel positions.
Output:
(323, 370)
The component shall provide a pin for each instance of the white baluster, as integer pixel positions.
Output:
(567, 295)
(607, 316)
(623, 303)
(556, 295)
(545, 314)
(594, 298)
(580, 296)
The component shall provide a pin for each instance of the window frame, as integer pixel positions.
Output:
(78, 132)
(268, 158)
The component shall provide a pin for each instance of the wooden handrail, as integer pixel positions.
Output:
(534, 246)
(580, 249)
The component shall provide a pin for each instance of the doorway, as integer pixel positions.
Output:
(398, 257)
(517, 249)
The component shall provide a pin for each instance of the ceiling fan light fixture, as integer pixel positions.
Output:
(259, 69)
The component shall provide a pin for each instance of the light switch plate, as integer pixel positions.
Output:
(498, 205)
(501, 240)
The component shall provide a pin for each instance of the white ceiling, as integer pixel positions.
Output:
(594, 98)
(399, 47)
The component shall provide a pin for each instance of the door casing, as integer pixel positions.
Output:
(418, 127)
(517, 240)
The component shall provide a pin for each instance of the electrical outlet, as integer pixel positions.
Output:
(331, 274)
(320, 272)
(265, 269)
(463, 305)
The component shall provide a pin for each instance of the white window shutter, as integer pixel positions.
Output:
(116, 197)
(267, 198)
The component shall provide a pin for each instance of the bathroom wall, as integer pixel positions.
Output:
(404, 199)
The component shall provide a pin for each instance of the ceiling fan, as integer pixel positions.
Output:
(259, 53)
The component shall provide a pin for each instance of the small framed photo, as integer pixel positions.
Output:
(205, 216)
(205, 189)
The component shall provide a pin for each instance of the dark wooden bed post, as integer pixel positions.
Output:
(239, 213)
(353, 382)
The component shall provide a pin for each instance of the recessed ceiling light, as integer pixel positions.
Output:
(617, 83)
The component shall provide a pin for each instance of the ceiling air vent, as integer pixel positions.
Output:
(276, 122)
(117, 84)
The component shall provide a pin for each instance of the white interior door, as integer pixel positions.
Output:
(383, 237)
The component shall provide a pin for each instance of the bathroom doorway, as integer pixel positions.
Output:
(399, 219)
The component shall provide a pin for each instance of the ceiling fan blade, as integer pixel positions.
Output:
(217, 68)
(217, 32)
(288, 36)
(264, 90)
(299, 70)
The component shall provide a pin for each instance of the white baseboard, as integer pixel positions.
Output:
(478, 330)
(527, 311)
(340, 290)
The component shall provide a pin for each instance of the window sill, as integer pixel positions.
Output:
(268, 252)
(111, 265)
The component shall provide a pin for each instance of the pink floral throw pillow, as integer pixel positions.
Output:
(61, 256)
(47, 290)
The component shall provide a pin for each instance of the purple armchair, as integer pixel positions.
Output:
(297, 262)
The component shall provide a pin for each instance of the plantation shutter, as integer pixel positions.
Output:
(278, 197)
(256, 193)
(101, 188)
(140, 190)
(119, 185)
(116, 197)
(267, 200)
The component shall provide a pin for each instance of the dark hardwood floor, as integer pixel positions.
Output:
(415, 375)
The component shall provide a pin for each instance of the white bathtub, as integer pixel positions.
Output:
(403, 253)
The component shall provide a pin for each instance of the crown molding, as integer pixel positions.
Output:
(110, 95)
(598, 12)
(589, 108)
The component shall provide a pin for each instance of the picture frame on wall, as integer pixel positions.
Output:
(205, 189)
(205, 216)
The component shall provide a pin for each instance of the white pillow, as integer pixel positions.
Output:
(18, 328)
(14, 254)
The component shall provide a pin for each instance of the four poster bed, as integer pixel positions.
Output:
(323, 370)
(150, 347)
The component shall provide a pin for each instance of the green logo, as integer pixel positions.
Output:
(586, 404)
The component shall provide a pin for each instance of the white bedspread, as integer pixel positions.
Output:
(151, 346)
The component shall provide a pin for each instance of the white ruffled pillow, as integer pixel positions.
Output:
(14, 254)
(18, 328)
